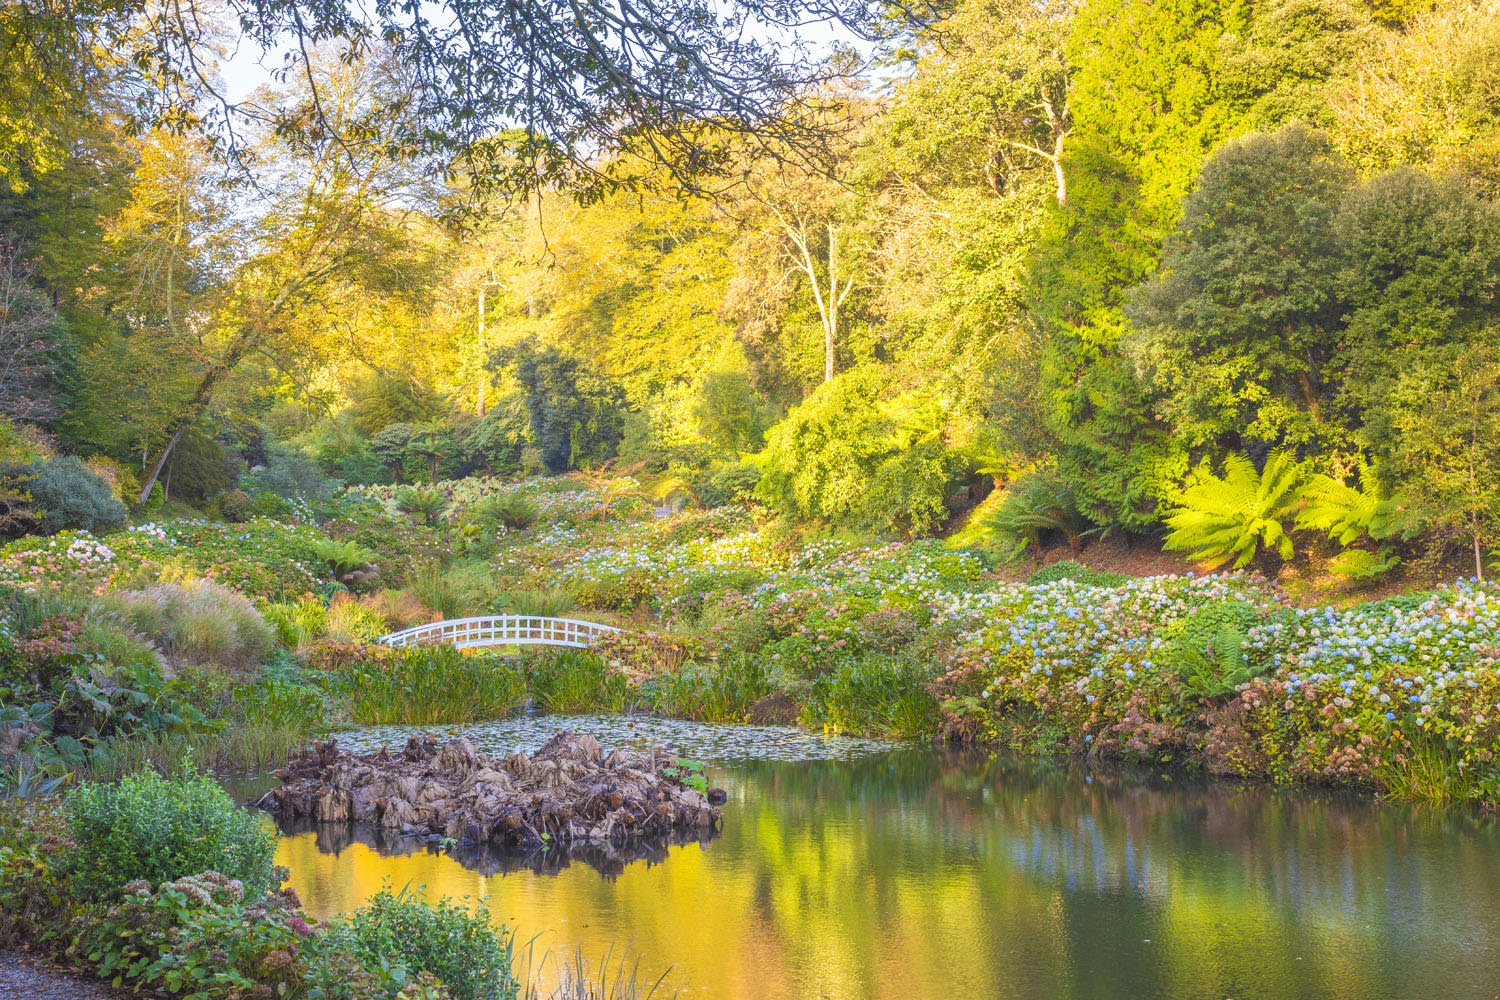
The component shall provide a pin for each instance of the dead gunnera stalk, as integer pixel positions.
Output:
(568, 792)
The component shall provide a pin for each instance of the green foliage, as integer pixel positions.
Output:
(572, 681)
(422, 685)
(1036, 505)
(1081, 575)
(908, 492)
(198, 937)
(874, 695)
(730, 485)
(1242, 317)
(554, 602)
(422, 504)
(66, 494)
(404, 937)
(157, 829)
(509, 510)
(201, 622)
(1218, 520)
(342, 557)
(722, 692)
(576, 414)
(456, 590)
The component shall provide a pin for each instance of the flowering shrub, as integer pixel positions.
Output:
(1220, 669)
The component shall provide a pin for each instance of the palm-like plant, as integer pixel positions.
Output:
(421, 503)
(1035, 504)
(1347, 515)
(1219, 520)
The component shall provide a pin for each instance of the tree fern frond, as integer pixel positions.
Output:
(1230, 518)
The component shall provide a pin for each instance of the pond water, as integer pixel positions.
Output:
(850, 869)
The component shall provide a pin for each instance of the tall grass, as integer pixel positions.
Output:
(200, 622)
(426, 685)
(456, 590)
(723, 692)
(573, 681)
(617, 978)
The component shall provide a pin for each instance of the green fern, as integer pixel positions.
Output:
(1344, 512)
(1034, 505)
(342, 558)
(422, 504)
(1347, 515)
(1219, 520)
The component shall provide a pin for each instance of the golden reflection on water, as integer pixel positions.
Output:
(920, 878)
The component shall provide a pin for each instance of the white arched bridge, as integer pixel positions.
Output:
(501, 630)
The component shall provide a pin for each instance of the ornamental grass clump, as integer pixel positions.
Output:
(199, 622)
(149, 827)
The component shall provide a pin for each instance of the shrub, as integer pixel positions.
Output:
(348, 561)
(730, 485)
(65, 494)
(1232, 518)
(400, 609)
(155, 828)
(299, 623)
(401, 933)
(908, 492)
(349, 621)
(421, 504)
(199, 622)
(196, 937)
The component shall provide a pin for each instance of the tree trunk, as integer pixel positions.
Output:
(202, 397)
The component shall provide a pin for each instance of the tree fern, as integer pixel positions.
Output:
(1219, 520)
(1035, 504)
(1348, 514)
(1345, 512)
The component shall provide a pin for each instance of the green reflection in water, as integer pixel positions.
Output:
(914, 875)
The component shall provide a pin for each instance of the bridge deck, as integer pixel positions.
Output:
(501, 630)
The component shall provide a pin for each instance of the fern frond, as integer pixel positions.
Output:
(1226, 519)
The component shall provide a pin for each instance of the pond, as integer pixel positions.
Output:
(850, 869)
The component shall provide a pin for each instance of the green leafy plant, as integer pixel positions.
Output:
(404, 937)
(555, 602)
(342, 557)
(155, 828)
(422, 504)
(1348, 515)
(1037, 504)
(509, 510)
(1219, 520)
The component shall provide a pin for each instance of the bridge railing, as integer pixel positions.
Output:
(501, 630)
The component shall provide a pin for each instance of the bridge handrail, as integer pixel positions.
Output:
(501, 630)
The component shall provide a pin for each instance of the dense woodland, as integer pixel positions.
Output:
(1205, 271)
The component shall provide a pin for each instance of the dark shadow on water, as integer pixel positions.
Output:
(609, 860)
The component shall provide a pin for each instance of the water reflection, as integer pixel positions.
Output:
(607, 859)
(915, 875)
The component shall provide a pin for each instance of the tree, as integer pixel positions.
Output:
(30, 335)
(512, 94)
(1449, 420)
(1241, 323)
(1420, 269)
(576, 415)
(329, 217)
